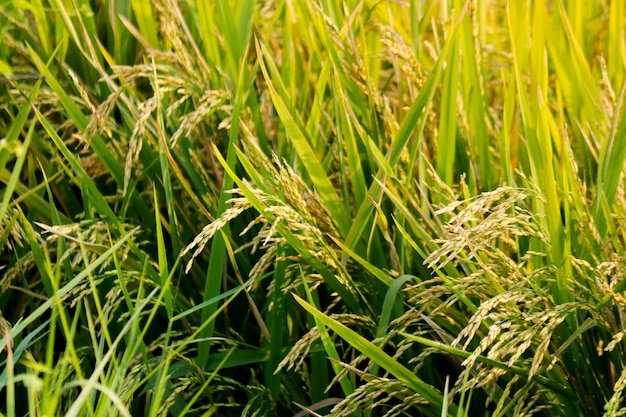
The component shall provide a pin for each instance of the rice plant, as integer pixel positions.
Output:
(342, 208)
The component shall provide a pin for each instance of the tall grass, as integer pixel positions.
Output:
(312, 208)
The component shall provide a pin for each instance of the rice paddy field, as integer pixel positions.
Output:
(365, 208)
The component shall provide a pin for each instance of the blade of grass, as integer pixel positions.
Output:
(29, 339)
(216, 268)
(12, 141)
(146, 20)
(327, 342)
(276, 321)
(162, 258)
(10, 370)
(448, 112)
(301, 141)
(415, 119)
(429, 393)
(611, 161)
(474, 103)
(228, 28)
(496, 364)
(17, 169)
(615, 43)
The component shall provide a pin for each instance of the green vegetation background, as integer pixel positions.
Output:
(291, 207)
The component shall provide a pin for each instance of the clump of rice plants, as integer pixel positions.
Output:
(342, 208)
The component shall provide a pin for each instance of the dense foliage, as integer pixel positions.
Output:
(291, 207)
